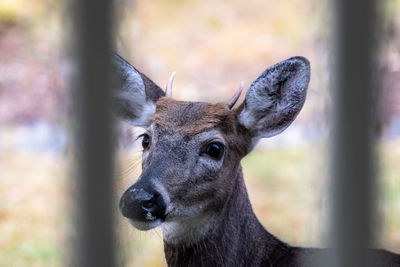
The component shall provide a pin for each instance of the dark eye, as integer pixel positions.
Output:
(215, 150)
(145, 140)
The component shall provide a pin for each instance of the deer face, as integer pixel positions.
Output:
(192, 150)
(200, 141)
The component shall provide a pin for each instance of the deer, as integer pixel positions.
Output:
(192, 183)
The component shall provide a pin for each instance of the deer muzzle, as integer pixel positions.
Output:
(144, 207)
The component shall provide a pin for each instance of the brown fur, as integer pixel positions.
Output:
(191, 118)
(173, 114)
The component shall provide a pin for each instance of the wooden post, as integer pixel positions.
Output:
(93, 133)
(353, 158)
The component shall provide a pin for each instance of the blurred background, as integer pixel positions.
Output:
(213, 46)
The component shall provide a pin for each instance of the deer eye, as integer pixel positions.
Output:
(145, 140)
(215, 150)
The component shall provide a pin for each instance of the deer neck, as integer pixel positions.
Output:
(235, 237)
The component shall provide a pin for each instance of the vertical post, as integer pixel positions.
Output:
(93, 133)
(352, 164)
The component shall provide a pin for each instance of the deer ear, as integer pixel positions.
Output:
(134, 95)
(275, 98)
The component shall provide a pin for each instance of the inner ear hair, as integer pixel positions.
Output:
(275, 98)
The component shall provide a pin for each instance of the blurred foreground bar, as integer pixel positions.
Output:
(93, 133)
(354, 85)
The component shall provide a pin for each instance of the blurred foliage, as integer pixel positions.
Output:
(214, 45)
(8, 14)
(389, 195)
(33, 194)
(31, 62)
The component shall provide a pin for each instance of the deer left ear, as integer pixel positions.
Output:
(275, 98)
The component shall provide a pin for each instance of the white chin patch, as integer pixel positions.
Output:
(144, 226)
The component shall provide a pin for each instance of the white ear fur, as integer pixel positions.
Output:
(132, 101)
(275, 98)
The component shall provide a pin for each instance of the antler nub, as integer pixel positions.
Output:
(236, 96)
(168, 90)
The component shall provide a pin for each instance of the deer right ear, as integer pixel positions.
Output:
(275, 98)
(134, 95)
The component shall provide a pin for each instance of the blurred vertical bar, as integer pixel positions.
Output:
(354, 85)
(93, 133)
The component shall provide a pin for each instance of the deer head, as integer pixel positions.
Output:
(192, 150)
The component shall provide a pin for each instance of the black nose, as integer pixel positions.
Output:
(142, 205)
